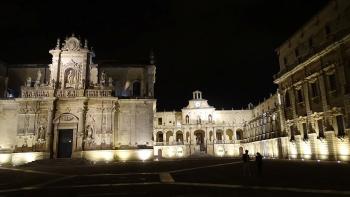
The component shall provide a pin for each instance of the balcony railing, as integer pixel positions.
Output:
(98, 93)
(70, 93)
(33, 92)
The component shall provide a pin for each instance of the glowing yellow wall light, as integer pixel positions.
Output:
(144, 154)
(5, 158)
(100, 155)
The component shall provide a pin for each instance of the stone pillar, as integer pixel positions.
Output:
(81, 127)
(323, 90)
(306, 98)
(281, 112)
(115, 127)
(49, 131)
(292, 100)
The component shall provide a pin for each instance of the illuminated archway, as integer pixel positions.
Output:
(239, 134)
(159, 136)
(200, 135)
(229, 133)
(168, 135)
(179, 136)
(219, 135)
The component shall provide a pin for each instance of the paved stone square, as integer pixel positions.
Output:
(190, 177)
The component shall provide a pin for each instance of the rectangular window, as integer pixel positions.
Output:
(292, 133)
(314, 90)
(332, 82)
(160, 121)
(305, 131)
(300, 96)
(340, 124)
(320, 128)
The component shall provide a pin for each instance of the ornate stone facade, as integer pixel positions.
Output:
(93, 107)
(74, 105)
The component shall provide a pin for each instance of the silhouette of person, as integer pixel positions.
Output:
(258, 162)
(246, 165)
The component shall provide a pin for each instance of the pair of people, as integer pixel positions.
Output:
(246, 164)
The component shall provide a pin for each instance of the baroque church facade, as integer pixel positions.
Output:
(76, 108)
(75, 105)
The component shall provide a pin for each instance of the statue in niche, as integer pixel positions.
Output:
(89, 132)
(103, 78)
(70, 79)
(41, 133)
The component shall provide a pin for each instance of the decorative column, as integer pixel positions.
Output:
(323, 90)
(49, 132)
(292, 99)
(80, 132)
(281, 112)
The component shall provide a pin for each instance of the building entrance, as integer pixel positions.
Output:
(65, 141)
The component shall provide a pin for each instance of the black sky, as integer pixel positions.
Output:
(224, 48)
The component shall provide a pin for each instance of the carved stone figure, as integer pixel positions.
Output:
(89, 132)
(41, 133)
(38, 78)
(103, 78)
(70, 79)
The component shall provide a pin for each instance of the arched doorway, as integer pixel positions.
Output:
(159, 136)
(179, 137)
(168, 135)
(239, 134)
(219, 135)
(210, 136)
(229, 133)
(200, 135)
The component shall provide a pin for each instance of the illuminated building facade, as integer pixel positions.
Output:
(314, 83)
(201, 129)
(73, 106)
(308, 117)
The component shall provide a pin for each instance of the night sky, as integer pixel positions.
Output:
(223, 48)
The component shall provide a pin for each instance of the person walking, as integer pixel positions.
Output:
(258, 162)
(246, 165)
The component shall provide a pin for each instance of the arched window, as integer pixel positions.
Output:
(187, 119)
(136, 88)
(210, 118)
(239, 134)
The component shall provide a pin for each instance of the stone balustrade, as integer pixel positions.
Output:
(32, 92)
(98, 93)
(69, 93)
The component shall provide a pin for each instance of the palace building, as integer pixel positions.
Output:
(308, 117)
(75, 107)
